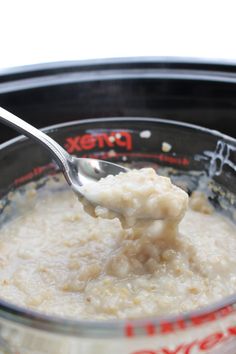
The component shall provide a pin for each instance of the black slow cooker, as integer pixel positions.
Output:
(194, 91)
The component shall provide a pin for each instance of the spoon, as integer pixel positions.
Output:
(77, 171)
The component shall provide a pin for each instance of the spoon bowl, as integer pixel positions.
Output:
(84, 170)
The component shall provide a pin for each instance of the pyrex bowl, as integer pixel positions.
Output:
(196, 155)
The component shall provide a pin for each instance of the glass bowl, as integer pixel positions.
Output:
(196, 158)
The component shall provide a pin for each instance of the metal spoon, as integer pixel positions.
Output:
(77, 171)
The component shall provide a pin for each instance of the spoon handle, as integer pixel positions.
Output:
(60, 155)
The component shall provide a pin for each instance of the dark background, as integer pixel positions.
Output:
(202, 93)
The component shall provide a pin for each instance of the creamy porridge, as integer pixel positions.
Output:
(59, 259)
(138, 194)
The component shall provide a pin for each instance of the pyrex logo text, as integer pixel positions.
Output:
(83, 142)
(196, 346)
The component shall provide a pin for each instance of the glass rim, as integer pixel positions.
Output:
(115, 327)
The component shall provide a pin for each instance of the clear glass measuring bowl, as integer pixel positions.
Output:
(193, 155)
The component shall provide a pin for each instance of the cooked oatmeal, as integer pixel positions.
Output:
(138, 194)
(58, 259)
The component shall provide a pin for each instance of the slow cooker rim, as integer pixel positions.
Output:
(157, 68)
(167, 60)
